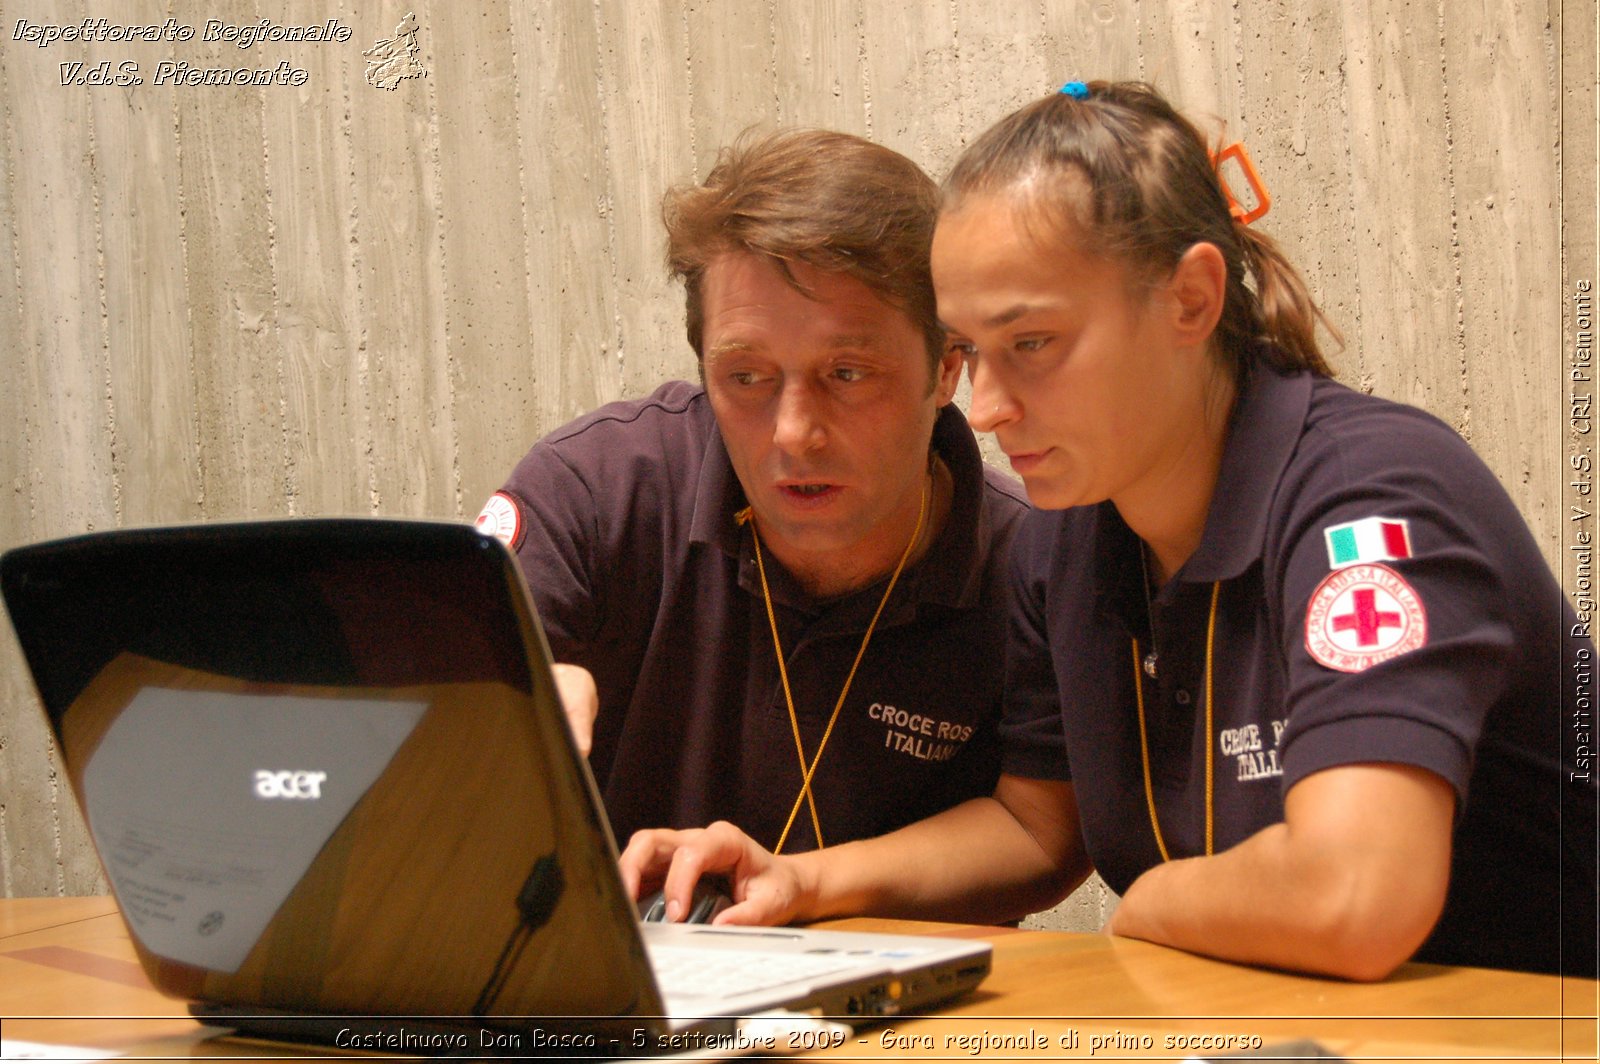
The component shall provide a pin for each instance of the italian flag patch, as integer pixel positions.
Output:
(1372, 539)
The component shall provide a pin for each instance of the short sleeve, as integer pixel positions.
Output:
(1032, 741)
(555, 536)
(1397, 598)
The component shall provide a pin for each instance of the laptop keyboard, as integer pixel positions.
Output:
(701, 973)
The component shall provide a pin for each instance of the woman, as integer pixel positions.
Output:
(1285, 665)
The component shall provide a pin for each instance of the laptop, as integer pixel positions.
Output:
(326, 769)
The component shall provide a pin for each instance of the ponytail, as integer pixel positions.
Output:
(1282, 309)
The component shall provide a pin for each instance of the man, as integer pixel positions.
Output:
(786, 583)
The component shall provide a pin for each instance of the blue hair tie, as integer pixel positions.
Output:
(1076, 89)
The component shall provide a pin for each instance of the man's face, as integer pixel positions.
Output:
(826, 406)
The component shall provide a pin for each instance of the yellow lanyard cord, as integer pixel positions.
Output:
(1144, 742)
(805, 795)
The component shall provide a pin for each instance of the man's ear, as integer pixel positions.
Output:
(1198, 286)
(947, 374)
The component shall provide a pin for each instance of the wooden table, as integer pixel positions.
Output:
(68, 977)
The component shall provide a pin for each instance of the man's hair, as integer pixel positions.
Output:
(831, 200)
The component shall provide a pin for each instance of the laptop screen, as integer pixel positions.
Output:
(323, 764)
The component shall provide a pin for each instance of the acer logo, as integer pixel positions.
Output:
(299, 785)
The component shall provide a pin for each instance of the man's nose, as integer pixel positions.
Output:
(799, 426)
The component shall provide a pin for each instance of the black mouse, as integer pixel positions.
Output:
(711, 896)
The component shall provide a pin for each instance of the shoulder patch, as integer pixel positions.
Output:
(1361, 615)
(1371, 539)
(502, 519)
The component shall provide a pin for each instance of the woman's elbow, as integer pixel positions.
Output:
(1368, 930)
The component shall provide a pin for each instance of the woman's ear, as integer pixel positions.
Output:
(1198, 286)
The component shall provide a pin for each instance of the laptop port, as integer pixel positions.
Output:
(881, 999)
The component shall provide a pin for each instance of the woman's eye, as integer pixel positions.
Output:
(1032, 344)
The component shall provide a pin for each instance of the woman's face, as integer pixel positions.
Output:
(1086, 375)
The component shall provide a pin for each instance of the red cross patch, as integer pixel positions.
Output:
(502, 520)
(1361, 615)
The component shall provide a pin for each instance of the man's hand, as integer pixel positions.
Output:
(581, 700)
(766, 889)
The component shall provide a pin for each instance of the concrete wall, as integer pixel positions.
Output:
(334, 298)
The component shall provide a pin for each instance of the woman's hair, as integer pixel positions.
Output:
(1131, 177)
(831, 200)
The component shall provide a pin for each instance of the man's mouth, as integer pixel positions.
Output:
(810, 492)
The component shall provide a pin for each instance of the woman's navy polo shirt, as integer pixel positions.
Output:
(1381, 601)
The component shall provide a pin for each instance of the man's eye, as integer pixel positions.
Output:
(966, 350)
(849, 374)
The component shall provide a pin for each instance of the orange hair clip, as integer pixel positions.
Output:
(1236, 152)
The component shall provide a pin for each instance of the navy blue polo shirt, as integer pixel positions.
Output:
(623, 522)
(1380, 600)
